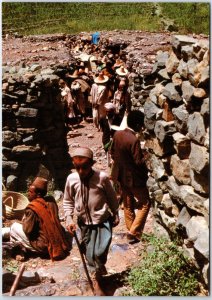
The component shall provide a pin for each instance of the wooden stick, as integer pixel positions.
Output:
(16, 281)
(84, 263)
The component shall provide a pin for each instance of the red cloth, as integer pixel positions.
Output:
(57, 245)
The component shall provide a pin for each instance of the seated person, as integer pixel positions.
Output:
(40, 231)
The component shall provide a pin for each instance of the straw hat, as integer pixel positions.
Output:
(122, 71)
(123, 124)
(40, 183)
(101, 78)
(84, 57)
(118, 63)
(93, 58)
(81, 64)
(75, 74)
(64, 93)
(75, 86)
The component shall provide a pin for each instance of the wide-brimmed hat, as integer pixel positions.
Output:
(40, 183)
(75, 86)
(80, 64)
(83, 152)
(122, 71)
(84, 57)
(64, 93)
(101, 78)
(93, 58)
(123, 124)
(75, 74)
(118, 63)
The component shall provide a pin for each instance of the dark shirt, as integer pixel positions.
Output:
(107, 131)
(129, 159)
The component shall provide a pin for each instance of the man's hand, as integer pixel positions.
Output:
(116, 220)
(70, 225)
(71, 228)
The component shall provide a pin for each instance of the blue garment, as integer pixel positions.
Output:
(96, 240)
(95, 38)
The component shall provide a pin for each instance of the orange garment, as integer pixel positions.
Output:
(57, 245)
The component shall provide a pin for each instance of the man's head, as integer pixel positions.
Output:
(62, 83)
(83, 161)
(122, 84)
(37, 189)
(110, 109)
(135, 120)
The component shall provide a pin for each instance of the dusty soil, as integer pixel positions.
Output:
(51, 49)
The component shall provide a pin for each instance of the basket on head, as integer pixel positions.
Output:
(14, 204)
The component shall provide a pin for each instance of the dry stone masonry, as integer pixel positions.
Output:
(34, 137)
(175, 99)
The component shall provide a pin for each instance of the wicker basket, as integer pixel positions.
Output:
(14, 204)
(3, 187)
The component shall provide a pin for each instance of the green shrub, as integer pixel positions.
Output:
(163, 271)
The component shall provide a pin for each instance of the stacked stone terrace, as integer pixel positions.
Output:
(34, 137)
(175, 100)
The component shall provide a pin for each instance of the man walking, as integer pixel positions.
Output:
(90, 195)
(130, 170)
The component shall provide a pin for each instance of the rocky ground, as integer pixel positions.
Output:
(48, 50)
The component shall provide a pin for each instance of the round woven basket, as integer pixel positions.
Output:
(3, 187)
(14, 204)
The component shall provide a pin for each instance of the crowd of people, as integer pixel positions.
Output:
(90, 200)
(99, 77)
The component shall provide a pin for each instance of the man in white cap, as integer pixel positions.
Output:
(89, 193)
(40, 231)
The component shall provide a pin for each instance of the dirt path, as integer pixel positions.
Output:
(68, 275)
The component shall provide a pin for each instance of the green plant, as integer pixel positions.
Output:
(63, 17)
(163, 270)
(10, 265)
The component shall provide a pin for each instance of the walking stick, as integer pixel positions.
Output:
(16, 281)
(84, 263)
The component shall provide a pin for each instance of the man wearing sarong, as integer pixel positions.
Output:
(90, 195)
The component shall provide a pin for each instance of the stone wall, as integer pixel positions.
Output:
(175, 99)
(34, 136)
